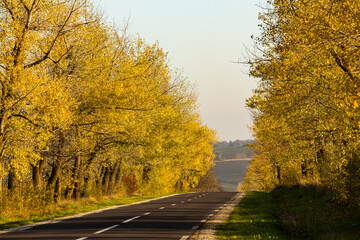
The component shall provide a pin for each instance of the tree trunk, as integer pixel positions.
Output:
(304, 169)
(106, 180)
(118, 174)
(54, 174)
(278, 173)
(36, 173)
(76, 177)
(57, 190)
(11, 184)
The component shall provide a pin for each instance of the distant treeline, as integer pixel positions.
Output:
(232, 144)
(233, 149)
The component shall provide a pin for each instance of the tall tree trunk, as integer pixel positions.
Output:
(11, 184)
(113, 176)
(77, 177)
(118, 174)
(106, 180)
(304, 169)
(278, 173)
(57, 190)
(36, 173)
(54, 173)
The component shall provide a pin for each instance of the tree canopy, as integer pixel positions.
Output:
(306, 106)
(86, 110)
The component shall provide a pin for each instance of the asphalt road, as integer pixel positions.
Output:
(175, 217)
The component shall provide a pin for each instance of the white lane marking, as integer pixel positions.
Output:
(25, 228)
(204, 220)
(173, 204)
(189, 200)
(106, 229)
(83, 238)
(216, 210)
(182, 202)
(195, 227)
(210, 215)
(184, 238)
(162, 208)
(129, 220)
(147, 213)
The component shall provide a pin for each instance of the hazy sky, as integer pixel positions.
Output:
(203, 37)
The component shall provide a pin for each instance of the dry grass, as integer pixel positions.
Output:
(17, 210)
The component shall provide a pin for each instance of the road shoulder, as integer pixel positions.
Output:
(208, 229)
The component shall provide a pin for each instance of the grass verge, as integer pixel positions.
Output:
(67, 208)
(252, 219)
(298, 212)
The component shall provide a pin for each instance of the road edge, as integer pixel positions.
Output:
(52, 221)
(208, 230)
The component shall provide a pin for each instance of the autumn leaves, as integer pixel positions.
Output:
(85, 110)
(306, 107)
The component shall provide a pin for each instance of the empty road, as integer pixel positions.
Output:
(175, 217)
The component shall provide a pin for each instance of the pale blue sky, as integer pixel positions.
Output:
(202, 37)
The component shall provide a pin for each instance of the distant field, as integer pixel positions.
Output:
(230, 172)
(233, 153)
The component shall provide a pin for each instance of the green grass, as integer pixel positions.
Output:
(252, 219)
(309, 212)
(66, 208)
(299, 212)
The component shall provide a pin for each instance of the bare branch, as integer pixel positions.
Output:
(26, 118)
(59, 34)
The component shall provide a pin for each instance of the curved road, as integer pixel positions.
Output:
(174, 217)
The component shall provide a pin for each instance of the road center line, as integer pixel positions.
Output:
(173, 204)
(129, 220)
(184, 238)
(182, 201)
(195, 227)
(106, 229)
(147, 213)
(162, 208)
(204, 220)
(83, 238)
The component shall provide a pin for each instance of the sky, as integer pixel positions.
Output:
(203, 38)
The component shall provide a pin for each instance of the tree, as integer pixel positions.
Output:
(306, 106)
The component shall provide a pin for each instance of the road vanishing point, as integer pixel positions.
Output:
(174, 217)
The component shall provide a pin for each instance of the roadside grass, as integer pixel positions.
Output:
(310, 212)
(252, 219)
(298, 212)
(66, 208)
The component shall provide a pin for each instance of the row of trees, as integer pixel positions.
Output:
(306, 107)
(85, 110)
(232, 144)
